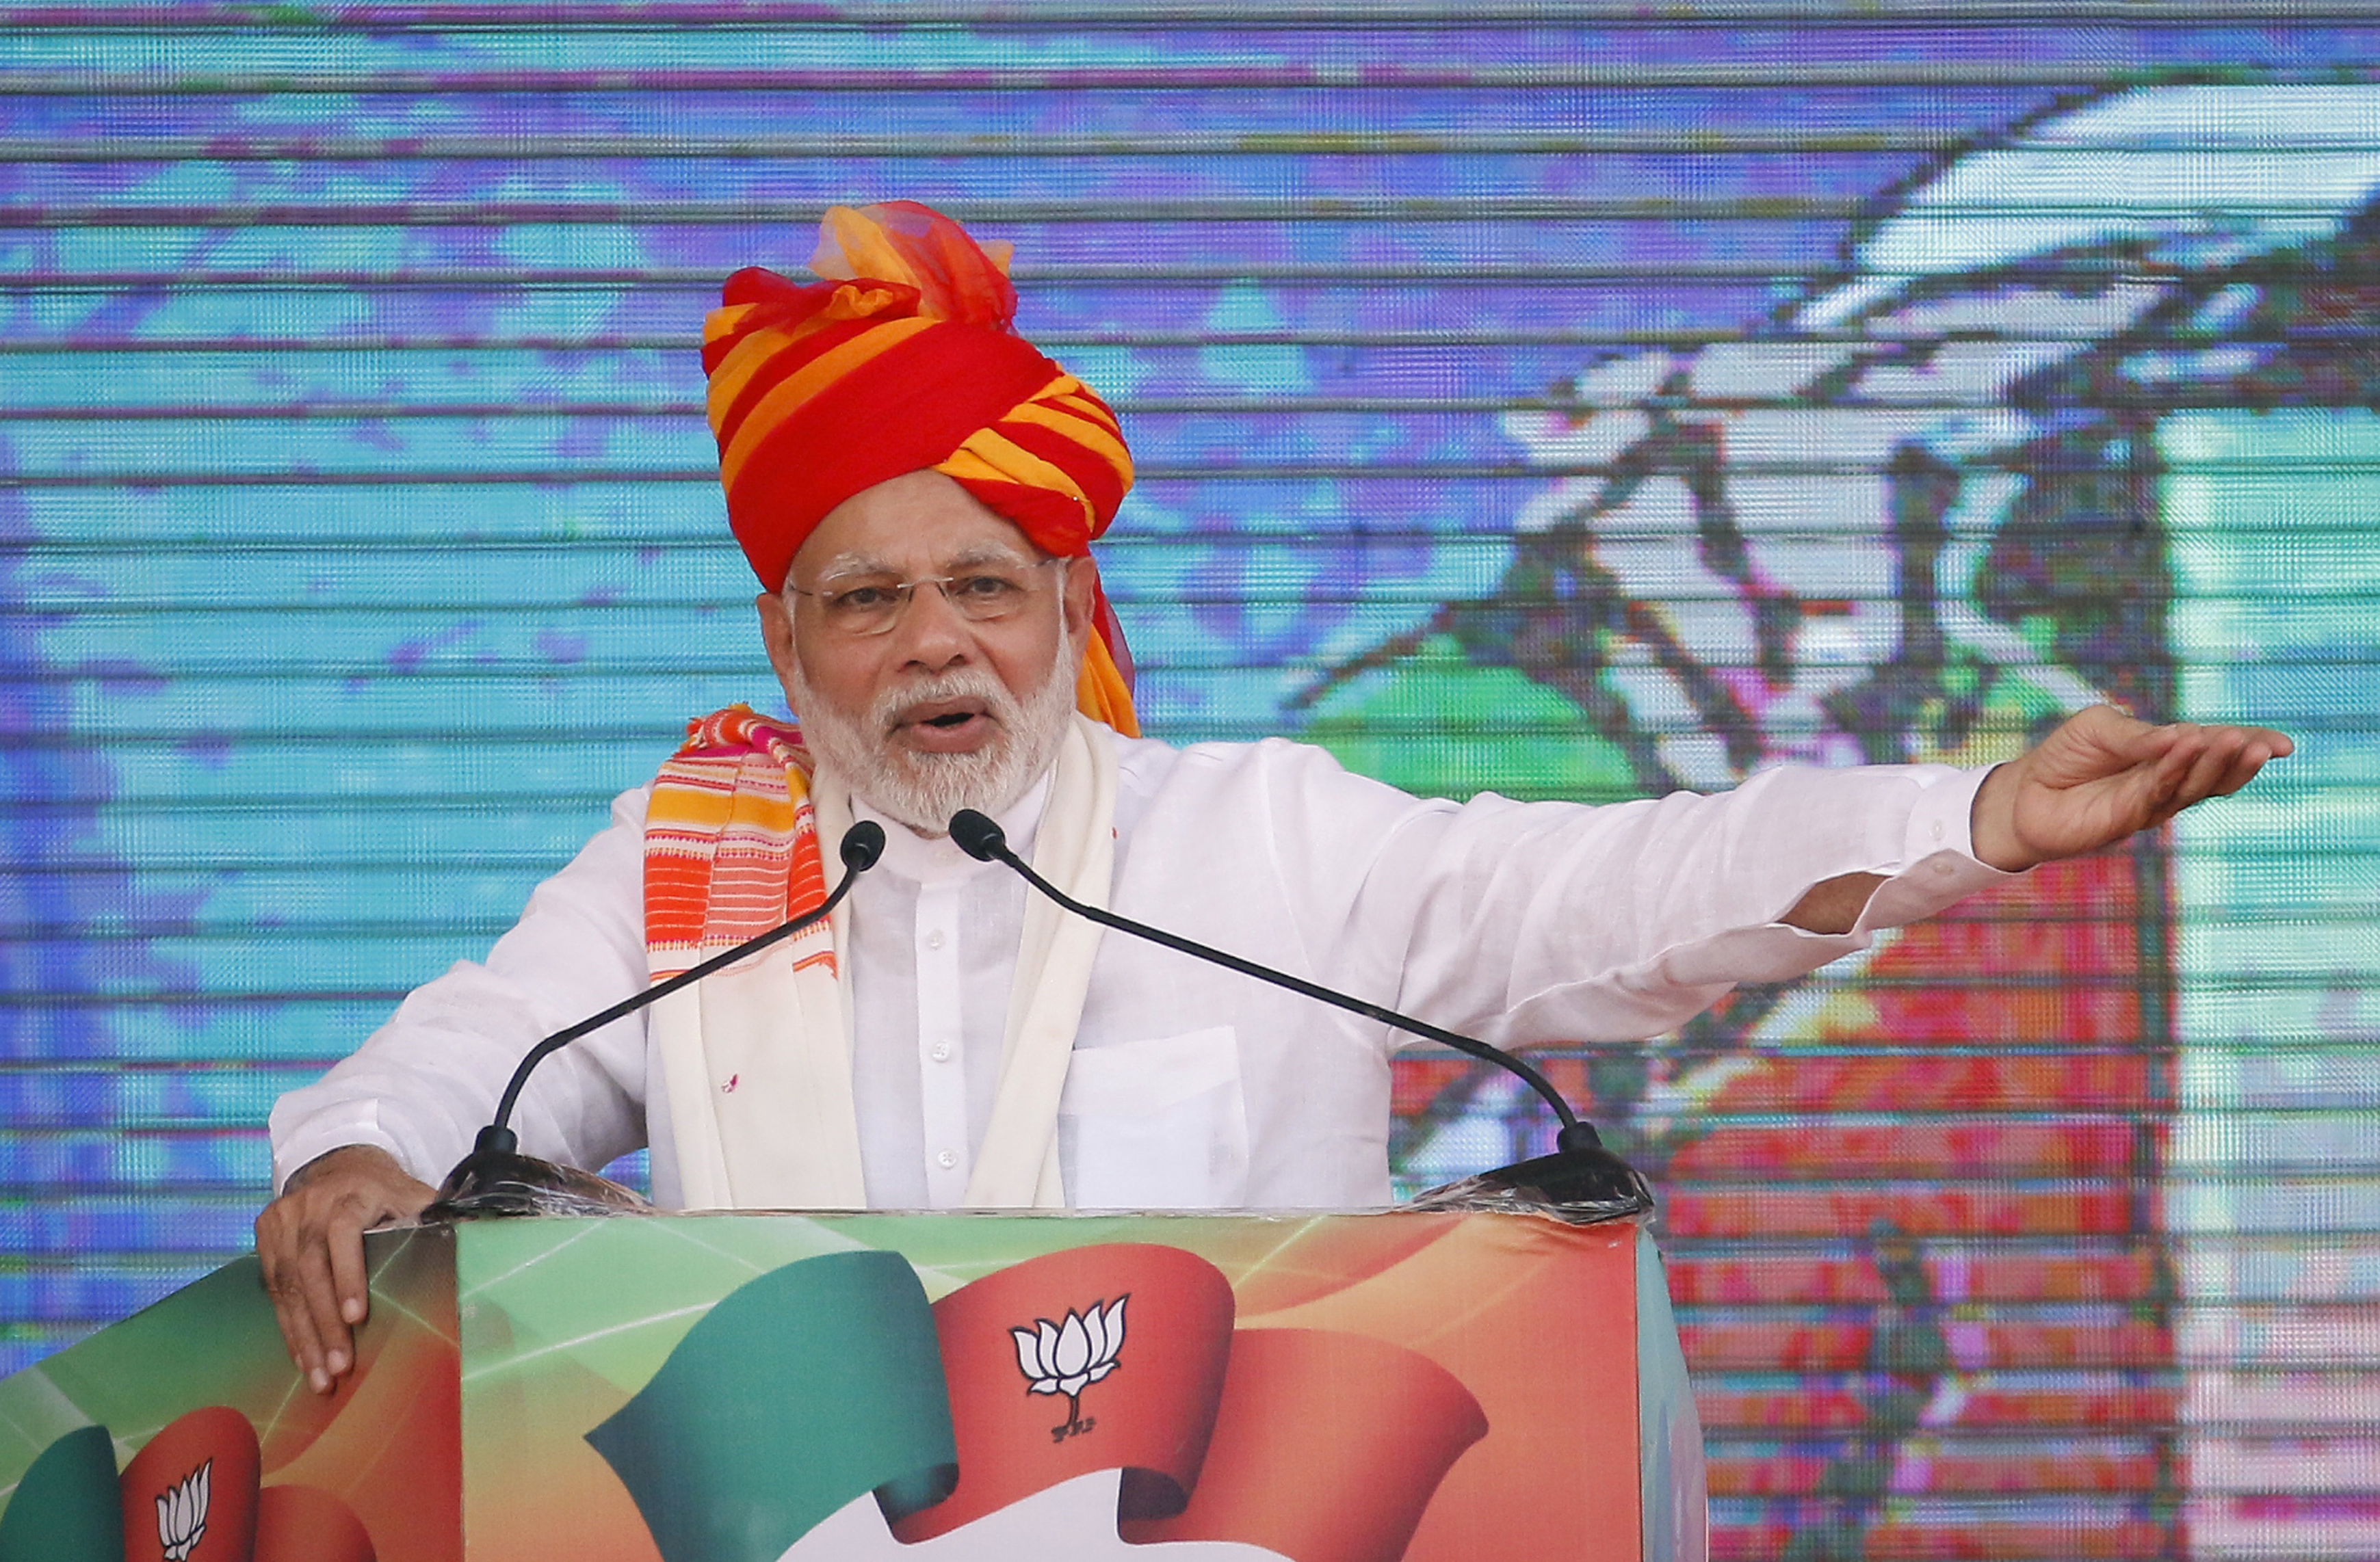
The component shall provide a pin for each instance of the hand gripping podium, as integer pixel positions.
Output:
(746, 1388)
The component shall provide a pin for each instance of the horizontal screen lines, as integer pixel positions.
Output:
(1621, 18)
(448, 804)
(1256, 406)
(109, 1267)
(1337, 147)
(2053, 1450)
(36, 1001)
(2065, 1527)
(2080, 1455)
(1990, 1441)
(50, 343)
(577, 470)
(220, 596)
(733, 647)
(2116, 1045)
(530, 145)
(232, 1194)
(329, 74)
(1330, 534)
(132, 1134)
(1163, 424)
(110, 1074)
(168, 79)
(1035, 280)
(292, 927)
(2029, 1312)
(1885, 1179)
(1403, 211)
(1697, 1253)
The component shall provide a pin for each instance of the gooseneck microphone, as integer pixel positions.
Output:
(496, 1179)
(1581, 1175)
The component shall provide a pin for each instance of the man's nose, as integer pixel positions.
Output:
(930, 632)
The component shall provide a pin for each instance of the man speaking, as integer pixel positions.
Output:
(918, 488)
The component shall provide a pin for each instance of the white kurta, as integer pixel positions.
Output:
(1191, 1086)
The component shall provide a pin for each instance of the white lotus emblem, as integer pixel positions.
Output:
(1067, 1358)
(182, 1514)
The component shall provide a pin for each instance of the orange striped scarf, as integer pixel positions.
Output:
(732, 844)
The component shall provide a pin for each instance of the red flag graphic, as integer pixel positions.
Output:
(1327, 1448)
(1098, 1358)
(307, 1524)
(190, 1495)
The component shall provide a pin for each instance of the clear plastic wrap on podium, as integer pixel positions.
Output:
(1349, 1387)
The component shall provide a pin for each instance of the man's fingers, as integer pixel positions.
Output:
(275, 1246)
(2227, 760)
(2207, 767)
(348, 1283)
(2126, 737)
(298, 1331)
(2275, 744)
(2164, 780)
(2252, 758)
(322, 1309)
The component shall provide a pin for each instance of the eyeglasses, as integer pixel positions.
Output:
(980, 596)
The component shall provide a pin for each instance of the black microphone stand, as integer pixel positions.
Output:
(1581, 1181)
(496, 1179)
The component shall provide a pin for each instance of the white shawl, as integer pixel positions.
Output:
(756, 1059)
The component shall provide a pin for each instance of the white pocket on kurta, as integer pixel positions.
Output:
(1155, 1124)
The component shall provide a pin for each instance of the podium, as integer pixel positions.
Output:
(746, 1387)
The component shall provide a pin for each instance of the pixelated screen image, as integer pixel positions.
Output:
(1573, 402)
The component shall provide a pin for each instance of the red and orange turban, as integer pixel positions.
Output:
(903, 359)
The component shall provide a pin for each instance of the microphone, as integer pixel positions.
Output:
(496, 1179)
(1580, 1182)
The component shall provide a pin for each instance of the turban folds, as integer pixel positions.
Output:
(903, 358)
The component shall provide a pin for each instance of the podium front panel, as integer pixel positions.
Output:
(761, 1387)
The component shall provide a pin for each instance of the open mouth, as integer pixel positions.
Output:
(946, 725)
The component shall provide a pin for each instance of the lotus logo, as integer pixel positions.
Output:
(1067, 1358)
(182, 1514)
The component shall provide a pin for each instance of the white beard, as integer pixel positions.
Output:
(923, 791)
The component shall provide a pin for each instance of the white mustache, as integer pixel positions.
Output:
(886, 713)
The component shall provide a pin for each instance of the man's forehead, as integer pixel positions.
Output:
(977, 555)
(918, 522)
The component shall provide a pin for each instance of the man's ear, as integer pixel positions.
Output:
(1082, 576)
(777, 635)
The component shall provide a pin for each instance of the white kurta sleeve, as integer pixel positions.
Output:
(423, 1083)
(1539, 922)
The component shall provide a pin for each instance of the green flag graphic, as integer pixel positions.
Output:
(800, 1391)
(67, 1508)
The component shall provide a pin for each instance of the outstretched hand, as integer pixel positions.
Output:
(2103, 775)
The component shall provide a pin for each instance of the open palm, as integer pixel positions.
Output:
(2103, 775)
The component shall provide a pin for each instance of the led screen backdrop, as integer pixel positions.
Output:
(1534, 399)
